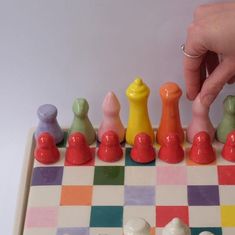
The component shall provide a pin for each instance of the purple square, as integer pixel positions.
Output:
(203, 195)
(47, 176)
(72, 231)
(139, 195)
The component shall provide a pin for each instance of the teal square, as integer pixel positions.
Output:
(106, 216)
(130, 162)
(214, 230)
(63, 143)
(109, 175)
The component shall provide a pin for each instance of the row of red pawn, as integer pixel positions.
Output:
(78, 152)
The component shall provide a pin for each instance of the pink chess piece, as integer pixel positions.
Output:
(200, 120)
(111, 119)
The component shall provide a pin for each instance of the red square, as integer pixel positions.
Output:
(226, 175)
(89, 163)
(164, 214)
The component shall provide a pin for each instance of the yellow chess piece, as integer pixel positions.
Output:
(138, 121)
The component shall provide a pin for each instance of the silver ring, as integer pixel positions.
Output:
(188, 55)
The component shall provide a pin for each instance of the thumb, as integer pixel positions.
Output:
(216, 81)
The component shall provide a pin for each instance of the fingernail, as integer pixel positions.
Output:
(207, 99)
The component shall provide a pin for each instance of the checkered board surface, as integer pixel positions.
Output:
(98, 198)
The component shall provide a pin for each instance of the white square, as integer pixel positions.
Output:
(202, 175)
(171, 195)
(204, 216)
(105, 231)
(74, 216)
(78, 175)
(140, 175)
(228, 231)
(99, 162)
(39, 231)
(44, 196)
(146, 212)
(227, 195)
(108, 195)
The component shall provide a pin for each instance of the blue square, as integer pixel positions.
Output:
(106, 216)
(130, 162)
(72, 231)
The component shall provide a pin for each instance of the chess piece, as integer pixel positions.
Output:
(200, 120)
(176, 227)
(81, 122)
(111, 119)
(228, 122)
(136, 226)
(46, 151)
(206, 233)
(202, 151)
(48, 123)
(170, 120)
(171, 150)
(228, 151)
(110, 149)
(138, 121)
(78, 151)
(142, 151)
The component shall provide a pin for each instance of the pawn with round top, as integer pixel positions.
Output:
(46, 151)
(136, 226)
(170, 119)
(228, 151)
(138, 120)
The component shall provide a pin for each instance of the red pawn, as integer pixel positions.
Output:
(110, 149)
(228, 151)
(142, 151)
(202, 151)
(78, 152)
(46, 151)
(171, 151)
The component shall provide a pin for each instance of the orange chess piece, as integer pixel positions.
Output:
(170, 120)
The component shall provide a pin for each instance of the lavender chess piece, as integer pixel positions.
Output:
(47, 114)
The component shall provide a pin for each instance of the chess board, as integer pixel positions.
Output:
(98, 198)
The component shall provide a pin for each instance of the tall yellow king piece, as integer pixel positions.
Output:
(138, 121)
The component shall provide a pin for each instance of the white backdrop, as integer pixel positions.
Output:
(52, 51)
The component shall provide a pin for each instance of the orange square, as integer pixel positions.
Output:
(76, 195)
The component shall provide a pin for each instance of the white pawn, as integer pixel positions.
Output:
(200, 120)
(111, 119)
(136, 226)
(206, 233)
(176, 227)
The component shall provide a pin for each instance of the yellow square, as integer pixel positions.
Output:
(228, 216)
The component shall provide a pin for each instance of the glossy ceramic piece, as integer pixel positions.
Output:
(170, 119)
(111, 119)
(201, 150)
(78, 151)
(171, 151)
(200, 120)
(228, 151)
(110, 149)
(81, 122)
(206, 233)
(46, 151)
(176, 227)
(138, 121)
(143, 151)
(228, 121)
(136, 226)
(47, 114)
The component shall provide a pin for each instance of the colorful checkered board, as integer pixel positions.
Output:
(98, 198)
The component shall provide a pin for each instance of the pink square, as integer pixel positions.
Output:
(41, 217)
(171, 175)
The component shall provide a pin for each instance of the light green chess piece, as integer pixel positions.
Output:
(228, 122)
(81, 122)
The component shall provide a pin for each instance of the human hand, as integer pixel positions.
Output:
(212, 32)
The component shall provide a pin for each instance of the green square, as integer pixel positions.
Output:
(109, 175)
(130, 162)
(214, 230)
(106, 216)
(63, 143)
